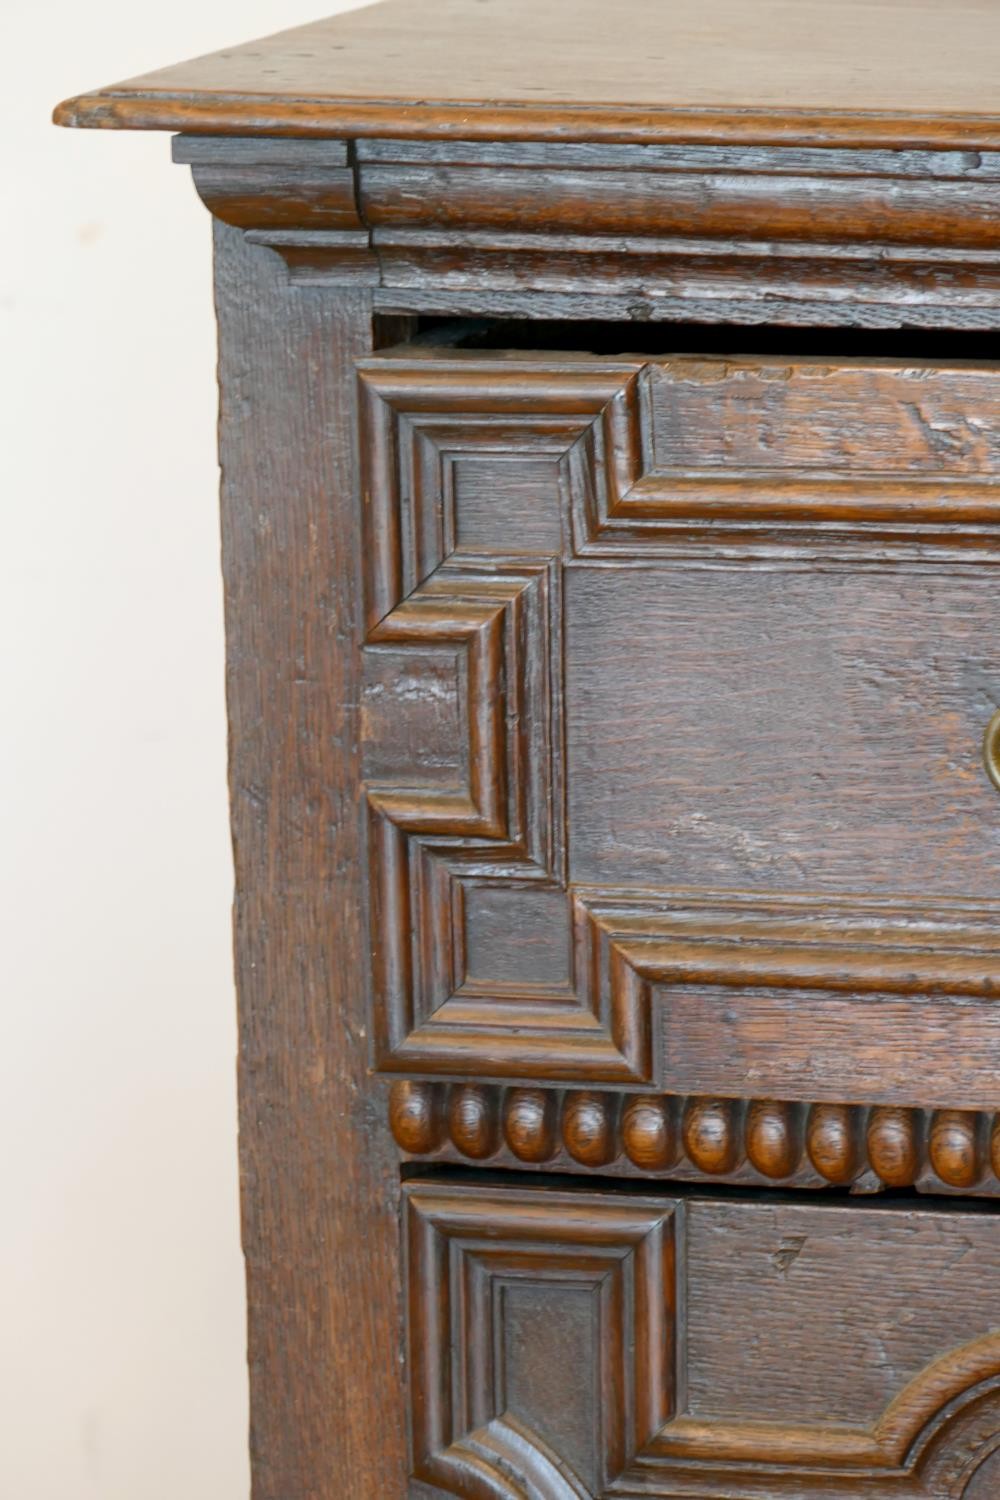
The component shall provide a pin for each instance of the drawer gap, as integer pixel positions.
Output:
(625, 337)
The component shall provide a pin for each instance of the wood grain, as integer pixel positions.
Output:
(616, 1259)
(866, 694)
(696, 205)
(877, 72)
(776, 1268)
(624, 724)
(760, 661)
(317, 1163)
(773, 234)
(586, 1343)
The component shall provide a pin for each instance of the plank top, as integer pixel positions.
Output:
(917, 73)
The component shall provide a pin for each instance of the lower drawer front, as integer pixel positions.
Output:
(570, 1344)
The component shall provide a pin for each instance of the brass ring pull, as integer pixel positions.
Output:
(991, 749)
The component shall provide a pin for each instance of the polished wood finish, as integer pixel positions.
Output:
(570, 1345)
(615, 707)
(700, 1138)
(878, 72)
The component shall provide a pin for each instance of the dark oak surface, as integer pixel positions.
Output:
(722, 666)
(777, 234)
(876, 71)
(566, 1344)
(319, 1184)
(615, 741)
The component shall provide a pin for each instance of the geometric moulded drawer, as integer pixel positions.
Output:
(679, 675)
(574, 1345)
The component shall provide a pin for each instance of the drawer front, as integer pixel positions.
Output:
(680, 725)
(571, 1345)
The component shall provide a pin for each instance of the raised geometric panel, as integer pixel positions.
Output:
(759, 455)
(421, 418)
(603, 1265)
(550, 1383)
(785, 443)
(565, 1346)
(644, 983)
(412, 707)
(522, 933)
(805, 731)
(489, 487)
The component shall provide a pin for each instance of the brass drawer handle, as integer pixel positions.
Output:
(991, 749)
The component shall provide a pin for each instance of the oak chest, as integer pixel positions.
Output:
(610, 434)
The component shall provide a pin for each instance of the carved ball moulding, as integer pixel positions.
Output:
(700, 1137)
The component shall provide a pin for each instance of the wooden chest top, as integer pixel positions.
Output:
(806, 72)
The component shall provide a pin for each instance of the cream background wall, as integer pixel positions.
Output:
(122, 1349)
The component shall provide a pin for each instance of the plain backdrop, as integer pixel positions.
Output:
(122, 1345)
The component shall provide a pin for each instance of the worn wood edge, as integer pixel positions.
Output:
(222, 113)
(316, 203)
(308, 200)
(317, 1173)
(649, 305)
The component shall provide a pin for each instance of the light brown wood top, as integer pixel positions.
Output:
(834, 72)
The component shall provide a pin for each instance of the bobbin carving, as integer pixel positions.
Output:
(701, 1138)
